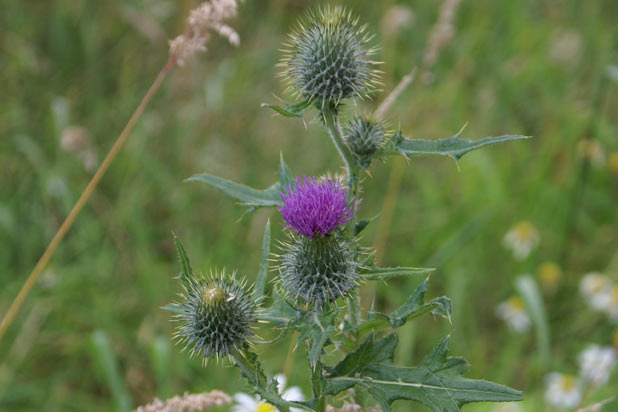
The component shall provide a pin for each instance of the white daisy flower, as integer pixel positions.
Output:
(521, 239)
(248, 403)
(513, 312)
(596, 290)
(596, 364)
(563, 391)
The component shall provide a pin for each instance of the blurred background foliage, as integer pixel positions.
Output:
(92, 335)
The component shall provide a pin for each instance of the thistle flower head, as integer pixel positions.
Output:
(315, 207)
(318, 270)
(216, 316)
(364, 137)
(327, 57)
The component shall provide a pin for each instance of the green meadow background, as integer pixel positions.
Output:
(92, 336)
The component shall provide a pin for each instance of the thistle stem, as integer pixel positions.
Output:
(332, 125)
(83, 199)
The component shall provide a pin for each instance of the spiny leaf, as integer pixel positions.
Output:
(315, 327)
(260, 283)
(369, 351)
(454, 146)
(415, 306)
(285, 176)
(246, 195)
(378, 273)
(436, 382)
(185, 264)
(290, 110)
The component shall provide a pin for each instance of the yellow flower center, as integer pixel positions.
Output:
(526, 230)
(213, 295)
(516, 303)
(568, 382)
(549, 274)
(265, 407)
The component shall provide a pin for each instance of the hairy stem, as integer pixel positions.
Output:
(83, 199)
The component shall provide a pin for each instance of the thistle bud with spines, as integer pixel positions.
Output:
(318, 264)
(327, 58)
(364, 137)
(216, 316)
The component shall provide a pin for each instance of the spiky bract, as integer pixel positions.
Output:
(318, 270)
(364, 137)
(216, 316)
(327, 58)
(315, 207)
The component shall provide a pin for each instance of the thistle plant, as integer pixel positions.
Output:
(322, 263)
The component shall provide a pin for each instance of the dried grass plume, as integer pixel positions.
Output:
(188, 403)
(206, 18)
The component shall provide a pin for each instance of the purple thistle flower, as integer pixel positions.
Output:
(315, 207)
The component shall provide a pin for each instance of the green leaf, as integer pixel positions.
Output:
(281, 313)
(266, 387)
(454, 146)
(415, 306)
(285, 176)
(529, 291)
(316, 328)
(436, 382)
(246, 195)
(290, 110)
(104, 357)
(612, 72)
(377, 273)
(185, 265)
(260, 283)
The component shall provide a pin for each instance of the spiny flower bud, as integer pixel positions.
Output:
(216, 316)
(315, 208)
(327, 58)
(364, 137)
(318, 270)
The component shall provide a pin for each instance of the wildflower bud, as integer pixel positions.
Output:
(327, 58)
(364, 138)
(318, 270)
(216, 316)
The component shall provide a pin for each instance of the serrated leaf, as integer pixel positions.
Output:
(360, 226)
(378, 273)
(290, 110)
(185, 265)
(260, 283)
(454, 146)
(316, 328)
(285, 175)
(436, 382)
(280, 313)
(369, 351)
(246, 195)
(251, 369)
(415, 306)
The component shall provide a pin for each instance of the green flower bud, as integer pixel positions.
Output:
(327, 58)
(364, 137)
(216, 316)
(318, 270)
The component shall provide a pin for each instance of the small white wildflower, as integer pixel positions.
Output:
(248, 403)
(563, 391)
(513, 312)
(596, 364)
(596, 290)
(521, 239)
